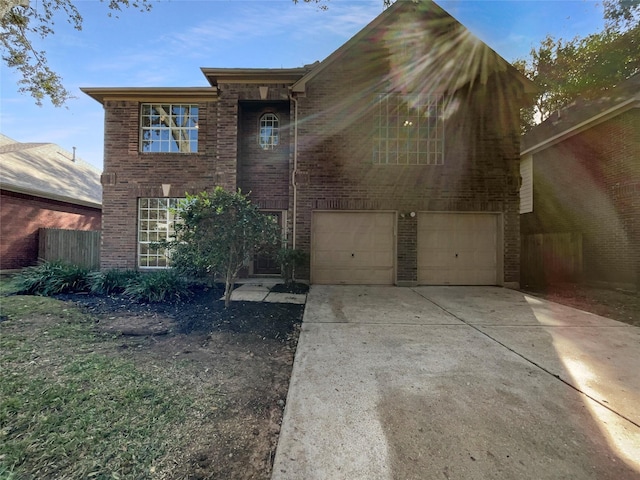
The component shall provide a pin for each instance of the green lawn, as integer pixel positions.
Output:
(70, 408)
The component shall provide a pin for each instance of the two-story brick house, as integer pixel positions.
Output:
(393, 161)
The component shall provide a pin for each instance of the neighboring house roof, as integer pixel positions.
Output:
(47, 170)
(582, 115)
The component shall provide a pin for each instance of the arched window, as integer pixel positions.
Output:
(269, 135)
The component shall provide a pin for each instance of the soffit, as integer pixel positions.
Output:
(149, 94)
(216, 76)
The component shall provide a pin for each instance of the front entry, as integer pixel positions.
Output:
(265, 264)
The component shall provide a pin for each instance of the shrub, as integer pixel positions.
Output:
(158, 286)
(112, 281)
(217, 232)
(50, 278)
(289, 259)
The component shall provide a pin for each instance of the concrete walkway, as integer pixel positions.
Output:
(259, 290)
(459, 383)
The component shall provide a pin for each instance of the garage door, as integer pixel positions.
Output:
(352, 248)
(457, 249)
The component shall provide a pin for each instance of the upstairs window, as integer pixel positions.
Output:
(169, 128)
(269, 135)
(409, 130)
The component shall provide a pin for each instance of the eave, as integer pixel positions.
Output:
(285, 76)
(144, 94)
(591, 122)
(50, 196)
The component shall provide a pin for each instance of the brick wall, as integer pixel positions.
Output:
(129, 175)
(22, 215)
(264, 173)
(336, 171)
(590, 184)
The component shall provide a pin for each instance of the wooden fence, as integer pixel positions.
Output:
(548, 258)
(79, 247)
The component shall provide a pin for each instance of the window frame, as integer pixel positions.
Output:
(526, 185)
(409, 129)
(270, 144)
(162, 133)
(149, 235)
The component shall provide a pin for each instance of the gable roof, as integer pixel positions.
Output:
(480, 55)
(47, 170)
(582, 115)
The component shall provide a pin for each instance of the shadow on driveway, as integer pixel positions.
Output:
(459, 383)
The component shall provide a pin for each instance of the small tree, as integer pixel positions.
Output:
(289, 259)
(218, 232)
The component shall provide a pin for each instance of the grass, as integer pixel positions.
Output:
(68, 408)
(8, 285)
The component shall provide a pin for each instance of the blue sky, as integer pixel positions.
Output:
(169, 45)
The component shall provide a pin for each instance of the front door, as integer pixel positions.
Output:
(265, 264)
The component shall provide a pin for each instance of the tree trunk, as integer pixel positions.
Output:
(228, 290)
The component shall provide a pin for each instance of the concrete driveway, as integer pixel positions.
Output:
(459, 383)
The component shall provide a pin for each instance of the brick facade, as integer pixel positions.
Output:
(590, 184)
(130, 174)
(332, 159)
(480, 171)
(264, 174)
(22, 215)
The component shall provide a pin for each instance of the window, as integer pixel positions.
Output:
(156, 219)
(526, 188)
(409, 130)
(269, 131)
(170, 128)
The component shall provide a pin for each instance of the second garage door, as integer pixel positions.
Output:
(352, 248)
(457, 249)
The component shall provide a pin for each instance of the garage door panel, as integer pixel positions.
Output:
(364, 276)
(457, 249)
(353, 247)
(384, 259)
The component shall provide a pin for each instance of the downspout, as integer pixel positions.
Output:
(295, 168)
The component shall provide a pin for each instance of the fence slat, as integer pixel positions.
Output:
(79, 247)
(548, 258)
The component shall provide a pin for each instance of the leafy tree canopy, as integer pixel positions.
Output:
(22, 21)
(584, 67)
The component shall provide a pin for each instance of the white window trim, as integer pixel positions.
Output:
(163, 228)
(526, 187)
(422, 143)
(273, 139)
(168, 128)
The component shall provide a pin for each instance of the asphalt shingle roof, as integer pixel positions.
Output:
(581, 111)
(47, 170)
